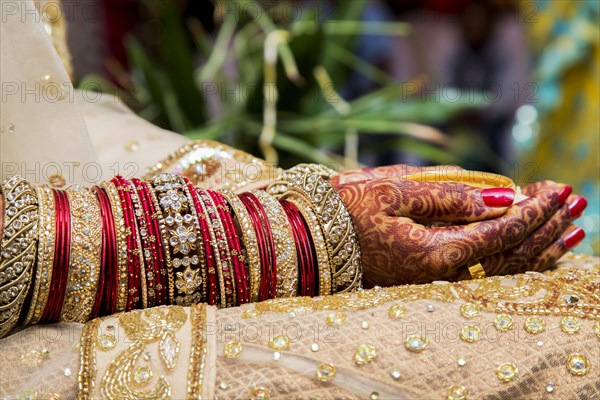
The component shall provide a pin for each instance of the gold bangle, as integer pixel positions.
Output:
(45, 261)
(285, 247)
(338, 229)
(18, 250)
(121, 241)
(85, 255)
(477, 271)
(476, 179)
(249, 241)
(323, 262)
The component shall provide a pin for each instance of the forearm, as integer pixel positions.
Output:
(138, 244)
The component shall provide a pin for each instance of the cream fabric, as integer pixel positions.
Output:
(47, 127)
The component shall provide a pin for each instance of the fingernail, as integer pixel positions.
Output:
(498, 197)
(564, 194)
(577, 206)
(574, 238)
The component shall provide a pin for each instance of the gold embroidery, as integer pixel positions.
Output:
(198, 352)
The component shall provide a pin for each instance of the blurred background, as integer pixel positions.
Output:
(505, 86)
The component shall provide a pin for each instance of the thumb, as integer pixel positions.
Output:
(446, 201)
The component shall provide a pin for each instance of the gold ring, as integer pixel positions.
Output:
(477, 271)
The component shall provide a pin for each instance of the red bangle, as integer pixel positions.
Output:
(107, 279)
(61, 258)
(133, 261)
(156, 271)
(266, 245)
(224, 268)
(212, 292)
(270, 244)
(233, 240)
(303, 253)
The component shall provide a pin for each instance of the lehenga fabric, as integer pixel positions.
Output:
(531, 336)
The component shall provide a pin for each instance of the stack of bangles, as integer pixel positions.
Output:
(79, 253)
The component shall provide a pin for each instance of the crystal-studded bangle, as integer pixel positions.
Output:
(106, 297)
(183, 239)
(84, 262)
(134, 284)
(211, 250)
(233, 242)
(121, 243)
(249, 242)
(285, 248)
(62, 255)
(223, 254)
(191, 283)
(19, 246)
(45, 253)
(339, 232)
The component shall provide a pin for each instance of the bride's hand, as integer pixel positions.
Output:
(391, 214)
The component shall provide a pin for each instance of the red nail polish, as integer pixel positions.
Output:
(498, 197)
(574, 238)
(564, 194)
(577, 206)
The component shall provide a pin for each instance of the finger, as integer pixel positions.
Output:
(529, 190)
(444, 251)
(397, 170)
(442, 202)
(548, 257)
(517, 259)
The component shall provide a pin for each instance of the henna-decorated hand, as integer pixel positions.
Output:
(392, 215)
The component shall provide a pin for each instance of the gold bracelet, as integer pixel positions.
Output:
(18, 251)
(285, 247)
(249, 241)
(45, 253)
(85, 255)
(121, 242)
(339, 231)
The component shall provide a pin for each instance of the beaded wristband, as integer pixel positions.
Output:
(223, 254)
(233, 243)
(210, 247)
(334, 218)
(60, 268)
(106, 297)
(46, 243)
(121, 244)
(134, 287)
(19, 245)
(249, 241)
(285, 248)
(84, 262)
